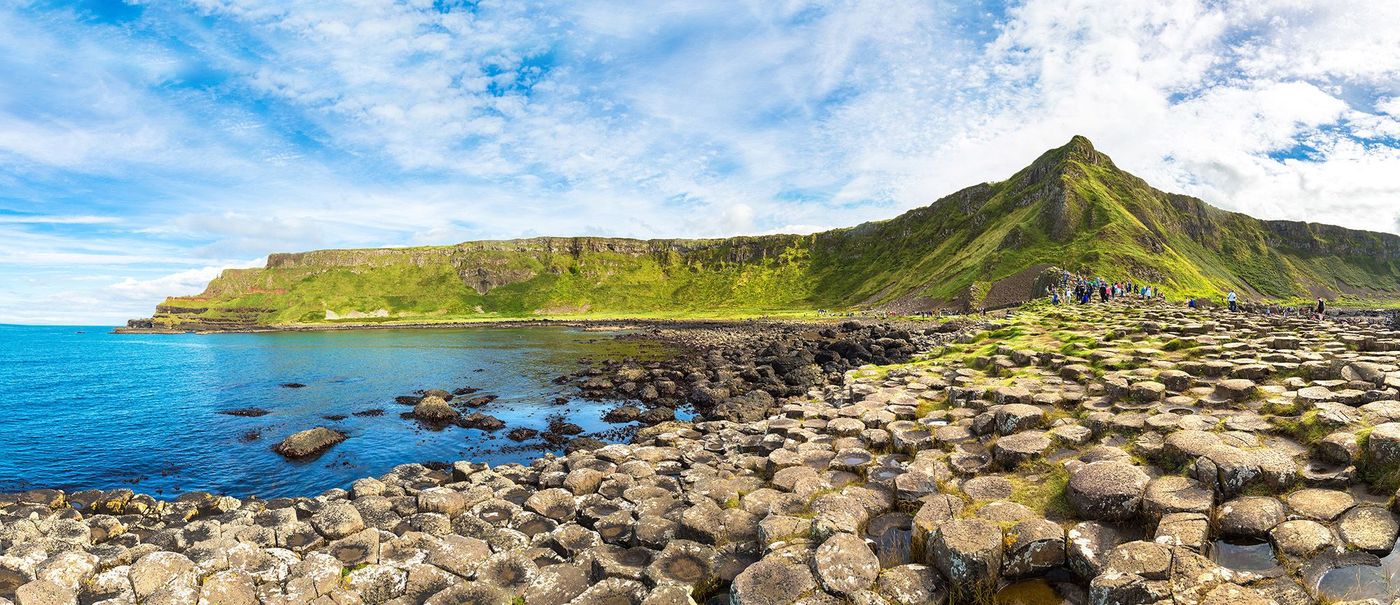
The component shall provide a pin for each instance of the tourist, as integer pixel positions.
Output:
(1233, 300)
(1321, 308)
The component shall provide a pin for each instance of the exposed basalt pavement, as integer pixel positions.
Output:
(1103, 450)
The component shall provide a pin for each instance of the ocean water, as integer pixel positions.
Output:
(82, 408)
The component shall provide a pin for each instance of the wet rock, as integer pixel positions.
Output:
(1106, 490)
(245, 412)
(434, 409)
(480, 421)
(621, 414)
(522, 434)
(309, 442)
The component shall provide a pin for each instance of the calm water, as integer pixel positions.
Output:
(83, 408)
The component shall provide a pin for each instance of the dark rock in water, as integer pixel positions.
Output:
(583, 443)
(334, 417)
(407, 399)
(245, 412)
(751, 407)
(250, 436)
(478, 420)
(657, 416)
(561, 401)
(477, 402)
(560, 426)
(465, 391)
(522, 434)
(309, 442)
(625, 413)
(370, 413)
(292, 385)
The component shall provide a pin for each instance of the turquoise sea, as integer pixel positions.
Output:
(81, 407)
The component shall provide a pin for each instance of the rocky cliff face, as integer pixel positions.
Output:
(1071, 208)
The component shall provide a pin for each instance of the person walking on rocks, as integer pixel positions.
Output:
(1233, 300)
(1321, 308)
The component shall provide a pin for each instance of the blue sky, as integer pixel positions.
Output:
(145, 146)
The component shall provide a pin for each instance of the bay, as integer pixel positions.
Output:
(83, 408)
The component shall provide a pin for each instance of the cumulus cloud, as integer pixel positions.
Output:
(180, 283)
(211, 130)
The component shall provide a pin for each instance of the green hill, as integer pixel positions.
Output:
(983, 246)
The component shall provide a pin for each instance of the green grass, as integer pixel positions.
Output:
(1045, 495)
(1071, 208)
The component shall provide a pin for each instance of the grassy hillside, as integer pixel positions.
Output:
(1071, 208)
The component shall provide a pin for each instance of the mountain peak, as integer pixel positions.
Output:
(1057, 161)
(1080, 145)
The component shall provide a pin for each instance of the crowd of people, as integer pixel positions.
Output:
(1080, 289)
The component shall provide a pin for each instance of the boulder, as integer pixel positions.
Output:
(434, 409)
(309, 442)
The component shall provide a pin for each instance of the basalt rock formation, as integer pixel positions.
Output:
(1103, 453)
(984, 246)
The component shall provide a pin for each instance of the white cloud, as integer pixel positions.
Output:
(383, 124)
(180, 283)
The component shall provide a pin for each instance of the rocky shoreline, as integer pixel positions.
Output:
(1097, 454)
